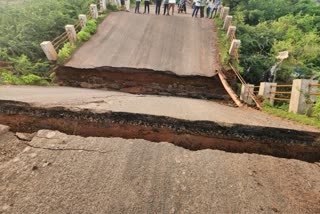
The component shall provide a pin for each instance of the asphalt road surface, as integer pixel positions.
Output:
(178, 44)
(181, 108)
(57, 173)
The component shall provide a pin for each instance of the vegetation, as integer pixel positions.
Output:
(270, 26)
(91, 27)
(24, 25)
(282, 111)
(83, 36)
(65, 52)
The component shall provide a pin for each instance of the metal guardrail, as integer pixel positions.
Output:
(63, 38)
(314, 93)
(280, 93)
(253, 87)
(251, 94)
(236, 54)
(77, 26)
(60, 40)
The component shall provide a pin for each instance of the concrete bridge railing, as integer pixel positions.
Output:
(230, 30)
(301, 94)
(223, 13)
(50, 48)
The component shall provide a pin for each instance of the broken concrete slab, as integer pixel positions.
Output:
(10, 146)
(193, 135)
(100, 101)
(24, 136)
(72, 174)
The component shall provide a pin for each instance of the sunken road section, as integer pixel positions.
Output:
(143, 81)
(182, 45)
(161, 55)
(193, 135)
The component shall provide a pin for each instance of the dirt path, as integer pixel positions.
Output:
(178, 44)
(58, 173)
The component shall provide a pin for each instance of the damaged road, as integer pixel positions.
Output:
(176, 57)
(152, 122)
(59, 173)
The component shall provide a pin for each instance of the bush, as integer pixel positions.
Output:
(22, 65)
(83, 36)
(91, 27)
(316, 109)
(113, 7)
(31, 79)
(101, 17)
(8, 78)
(65, 53)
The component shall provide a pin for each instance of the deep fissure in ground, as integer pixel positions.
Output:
(193, 135)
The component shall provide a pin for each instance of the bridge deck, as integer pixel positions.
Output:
(178, 44)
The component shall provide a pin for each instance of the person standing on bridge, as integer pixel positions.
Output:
(216, 4)
(202, 4)
(165, 4)
(195, 7)
(137, 6)
(171, 5)
(158, 6)
(146, 5)
(182, 6)
(209, 7)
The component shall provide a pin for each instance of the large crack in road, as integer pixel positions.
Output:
(193, 135)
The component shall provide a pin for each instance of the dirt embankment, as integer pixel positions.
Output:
(143, 81)
(193, 135)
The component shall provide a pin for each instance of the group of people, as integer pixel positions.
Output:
(212, 8)
(167, 5)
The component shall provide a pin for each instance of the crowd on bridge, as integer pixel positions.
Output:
(197, 5)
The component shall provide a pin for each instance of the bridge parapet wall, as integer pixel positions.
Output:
(301, 96)
(50, 48)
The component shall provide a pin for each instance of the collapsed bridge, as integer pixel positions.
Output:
(149, 54)
(122, 162)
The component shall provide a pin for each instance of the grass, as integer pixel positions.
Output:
(283, 113)
(223, 43)
(11, 2)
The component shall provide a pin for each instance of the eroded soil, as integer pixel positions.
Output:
(192, 135)
(143, 81)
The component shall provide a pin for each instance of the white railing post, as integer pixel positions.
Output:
(49, 50)
(227, 22)
(94, 11)
(72, 34)
(83, 20)
(103, 5)
(231, 31)
(246, 90)
(224, 13)
(235, 44)
(219, 11)
(300, 99)
(266, 89)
